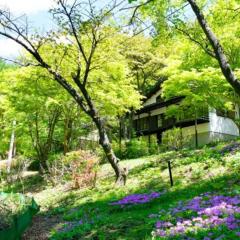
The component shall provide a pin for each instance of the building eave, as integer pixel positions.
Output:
(157, 105)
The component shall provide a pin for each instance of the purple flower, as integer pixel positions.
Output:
(209, 211)
(137, 198)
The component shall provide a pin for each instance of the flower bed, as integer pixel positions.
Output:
(134, 199)
(207, 217)
(16, 214)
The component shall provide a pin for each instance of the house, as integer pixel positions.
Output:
(210, 125)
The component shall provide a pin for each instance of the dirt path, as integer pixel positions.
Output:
(41, 227)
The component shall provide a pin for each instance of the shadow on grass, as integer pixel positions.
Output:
(31, 184)
(99, 220)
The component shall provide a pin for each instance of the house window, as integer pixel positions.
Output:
(143, 123)
(160, 120)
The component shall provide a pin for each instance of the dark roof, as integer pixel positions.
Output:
(157, 105)
(155, 88)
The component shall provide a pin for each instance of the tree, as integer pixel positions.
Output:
(217, 47)
(145, 62)
(86, 29)
(216, 51)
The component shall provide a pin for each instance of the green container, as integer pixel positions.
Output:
(20, 223)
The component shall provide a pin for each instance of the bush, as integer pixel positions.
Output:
(174, 140)
(78, 166)
(57, 172)
(154, 146)
(19, 166)
(136, 147)
(11, 205)
(233, 163)
(84, 166)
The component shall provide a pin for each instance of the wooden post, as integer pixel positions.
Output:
(170, 173)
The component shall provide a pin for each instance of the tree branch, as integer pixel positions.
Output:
(208, 51)
(74, 31)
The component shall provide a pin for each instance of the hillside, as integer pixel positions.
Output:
(202, 204)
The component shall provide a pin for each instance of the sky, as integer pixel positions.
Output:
(38, 16)
(39, 19)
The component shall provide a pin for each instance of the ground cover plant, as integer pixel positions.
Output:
(215, 216)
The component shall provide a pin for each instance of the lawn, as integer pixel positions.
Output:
(204, 202)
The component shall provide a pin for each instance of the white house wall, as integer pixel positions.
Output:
(201, 128)
(152, 99)
(142, 115)
(158, 111)
(152, 113)
(222, 125)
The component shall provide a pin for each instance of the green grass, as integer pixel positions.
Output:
(194, 172)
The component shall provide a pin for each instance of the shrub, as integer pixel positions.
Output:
(120, 152)
(173, 139)
(154, 146)
(136, 147)
(78, 166)
(57, 172)
(233, 163)
(84, 166)
(19, 166)
(11, 205)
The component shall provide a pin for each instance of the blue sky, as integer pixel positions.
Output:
(38, 16)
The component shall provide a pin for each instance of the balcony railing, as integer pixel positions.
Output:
(169, 123)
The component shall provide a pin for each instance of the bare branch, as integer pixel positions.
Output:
(20, 63)
(136, 8)
(68, 14)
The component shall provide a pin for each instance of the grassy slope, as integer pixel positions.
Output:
(194, 172)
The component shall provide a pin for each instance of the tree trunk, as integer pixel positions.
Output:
(67, 134)
(218, 49)
(121, 174)
(11, 148)
(120, 135)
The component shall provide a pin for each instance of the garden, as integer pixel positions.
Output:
(204, 202)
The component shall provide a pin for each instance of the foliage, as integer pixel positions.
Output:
(78, 166)
(19, 166)
(136, 147)
(10, 206)
(174, 139)
(84, 166)
(234, 163)
(145, 62)
(85, 212)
